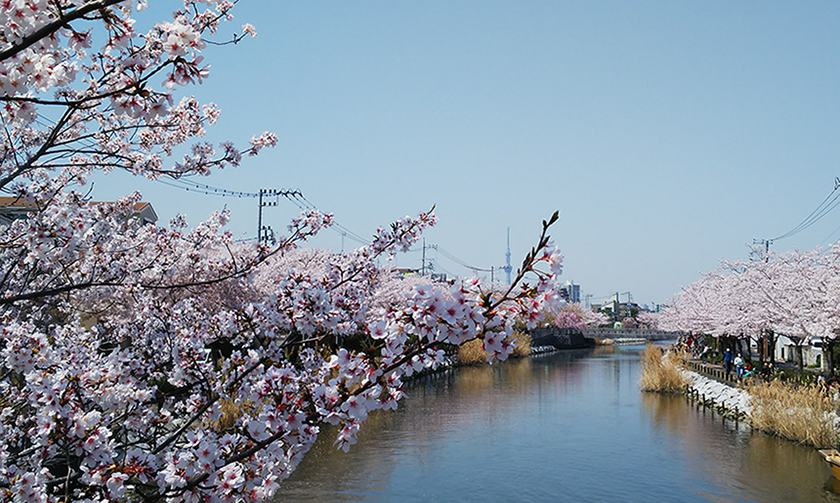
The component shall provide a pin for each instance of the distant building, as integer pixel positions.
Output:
(617, 309)
(573, 292)
(14, 208)
(145, 213)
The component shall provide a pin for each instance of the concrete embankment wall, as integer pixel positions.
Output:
(560, 338)
(711, 393)
(630, 333)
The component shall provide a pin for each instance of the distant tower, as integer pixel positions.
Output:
(507, 268)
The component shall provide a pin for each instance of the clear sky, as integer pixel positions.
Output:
(668, 134)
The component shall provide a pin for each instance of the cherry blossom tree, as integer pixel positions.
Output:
(576, 316)
(648, 319)
(794, 294)
(145, 362)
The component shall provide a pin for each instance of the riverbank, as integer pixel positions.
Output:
(451, 362)
(805, 414)
(727, 400)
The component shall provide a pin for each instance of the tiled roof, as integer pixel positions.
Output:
(17, 205)
(17, 202)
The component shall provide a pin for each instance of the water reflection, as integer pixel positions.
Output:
(735, 462)
(571, 426)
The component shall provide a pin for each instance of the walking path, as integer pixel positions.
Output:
(713, 371)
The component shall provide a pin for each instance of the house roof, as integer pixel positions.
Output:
(11, 204)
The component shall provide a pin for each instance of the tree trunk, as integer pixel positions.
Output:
(748, 352)
(743, 344)
(799, 363)
(828, 357)
(761, 344)
(772, 348)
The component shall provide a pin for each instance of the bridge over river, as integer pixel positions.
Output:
(566, 338)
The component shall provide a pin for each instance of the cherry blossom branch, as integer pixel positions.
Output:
(528, 263)
(51, 28)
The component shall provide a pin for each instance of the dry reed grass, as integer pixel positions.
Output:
(801, 413)
(230, 413)
(660, 371)
(472, 352)
(681, 356)
(523, 344)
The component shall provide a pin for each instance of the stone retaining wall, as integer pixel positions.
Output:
(728, 400)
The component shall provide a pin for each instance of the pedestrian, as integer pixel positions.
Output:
(767, 371)
(739, 366)
(727, 362)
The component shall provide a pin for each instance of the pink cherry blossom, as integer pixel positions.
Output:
(164, 362)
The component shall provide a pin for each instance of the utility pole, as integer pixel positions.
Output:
(766, 243)
(262, 232)
(423, 266)
(423, 260)
(265, 233)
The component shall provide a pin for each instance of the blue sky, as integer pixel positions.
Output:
(668, 134)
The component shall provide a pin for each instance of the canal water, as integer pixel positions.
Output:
(568, 426)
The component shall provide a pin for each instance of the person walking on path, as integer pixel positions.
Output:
(739, 366)
(727, 362)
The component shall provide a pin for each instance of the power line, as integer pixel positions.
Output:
(200, 188)
(829, 203)
(461, 262)
(824, 241)
(295, 196)
(457, 260)
(303, 203)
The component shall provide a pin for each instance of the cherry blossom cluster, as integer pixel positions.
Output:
(794, 293)
(104, 92)
(168, 363)
(577, 317)
(168, 396)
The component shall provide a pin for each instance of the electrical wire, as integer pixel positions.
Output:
(436, 266)
(295, 196)
(829, 203)
(459, 261)
(205, 189)
(344, 230)
(824, 241)
(201, 188)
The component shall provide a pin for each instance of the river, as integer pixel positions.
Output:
(567, 426)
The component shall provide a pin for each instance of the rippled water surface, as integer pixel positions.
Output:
(571, 426)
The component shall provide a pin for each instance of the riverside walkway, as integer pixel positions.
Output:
(712, 370)
(716, 371)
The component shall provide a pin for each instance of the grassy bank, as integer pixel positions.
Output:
(800, 413)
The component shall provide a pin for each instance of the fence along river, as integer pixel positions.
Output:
(565, 426)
